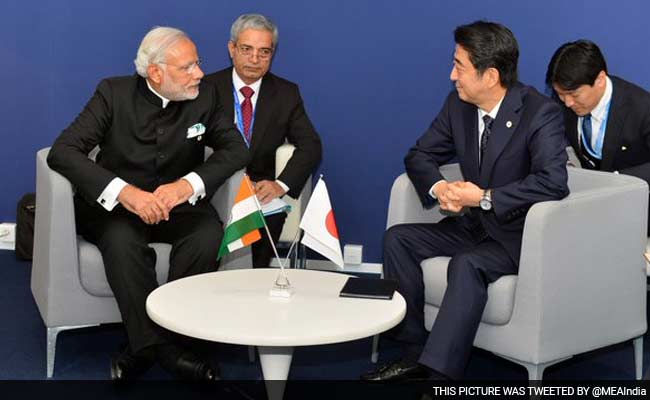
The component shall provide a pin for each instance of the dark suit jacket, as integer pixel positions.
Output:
(525, 159)
(626, 147)
(144, 144)
(279, 115)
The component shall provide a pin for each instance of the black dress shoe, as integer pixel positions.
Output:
(192, 368)
(126, 366)
(397, 371)
(186, 365)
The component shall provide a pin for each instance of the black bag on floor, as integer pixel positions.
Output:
(25, 214)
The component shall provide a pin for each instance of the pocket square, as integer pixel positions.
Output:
(195, 130)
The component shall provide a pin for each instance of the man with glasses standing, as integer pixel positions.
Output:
(268, 111)
(151, 183)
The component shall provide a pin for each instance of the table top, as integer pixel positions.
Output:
(235, 307)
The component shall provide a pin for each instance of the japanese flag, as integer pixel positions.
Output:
(321, 234)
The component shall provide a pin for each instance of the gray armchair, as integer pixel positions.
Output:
(68, 279)
(582, 277)
(291, 226)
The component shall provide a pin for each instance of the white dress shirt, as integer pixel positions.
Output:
(238, 84)
(598, 115)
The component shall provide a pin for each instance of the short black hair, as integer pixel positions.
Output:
(575, 64)
(490, 45)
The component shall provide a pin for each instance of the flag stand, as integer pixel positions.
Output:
(293, 243)
(282, 287)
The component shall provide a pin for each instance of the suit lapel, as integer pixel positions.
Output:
(503, 127)
(263, 111)
(616, 117)
(225, 87)
(470, 170)
(571, 128)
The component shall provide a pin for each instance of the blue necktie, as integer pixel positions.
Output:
(586, 130)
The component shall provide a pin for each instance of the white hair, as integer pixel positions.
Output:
(253, 21)
(154, 47)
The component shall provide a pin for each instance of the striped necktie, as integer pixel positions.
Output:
(247, 111)
(487, 129)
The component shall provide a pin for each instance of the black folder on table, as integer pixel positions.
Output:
(369, 288)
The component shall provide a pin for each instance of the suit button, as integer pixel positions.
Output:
(161, 155)
(160, 131)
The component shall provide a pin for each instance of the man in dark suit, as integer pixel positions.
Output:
(150, 183)
(607, 118)
(509, 141)
(268, 111)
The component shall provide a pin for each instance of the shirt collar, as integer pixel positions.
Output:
(600, 111)
(238, 83)
(165, 100)
(493, 113)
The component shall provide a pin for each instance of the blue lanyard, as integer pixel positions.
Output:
(598, 151)
(240, 118)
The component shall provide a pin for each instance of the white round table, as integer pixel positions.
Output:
(235, 307)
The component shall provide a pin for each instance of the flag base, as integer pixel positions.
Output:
(282, 287)
(278, 292)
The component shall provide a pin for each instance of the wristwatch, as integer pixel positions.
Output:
(486, 200)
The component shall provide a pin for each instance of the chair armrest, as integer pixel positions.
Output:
(224, 198)
(582, 281)
(55, 264)
(282, 156)
(404, 206)
(292, 223)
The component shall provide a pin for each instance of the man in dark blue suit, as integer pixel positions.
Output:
(509, 141)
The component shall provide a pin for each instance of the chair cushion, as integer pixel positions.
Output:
(91, 267)
(501, 293)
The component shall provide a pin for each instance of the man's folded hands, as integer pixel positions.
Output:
(155, 207)
(453, 196)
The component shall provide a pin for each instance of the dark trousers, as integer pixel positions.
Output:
(194, 232)
(476, 261)
(262, 250)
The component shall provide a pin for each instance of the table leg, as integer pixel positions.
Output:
(375, 349)
(275, 362)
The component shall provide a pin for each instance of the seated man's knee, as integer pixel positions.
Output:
(462, 264)
(393, 235)
(203, 241)
(121, 238)
(209, 233)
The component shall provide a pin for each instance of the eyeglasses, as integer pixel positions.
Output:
(188, 69)
(264, 53)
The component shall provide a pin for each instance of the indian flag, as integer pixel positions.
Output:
(245, 220)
